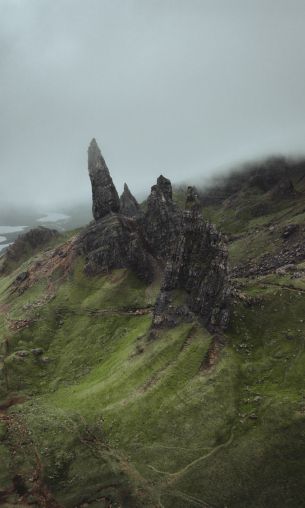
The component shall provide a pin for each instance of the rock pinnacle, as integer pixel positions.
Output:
(105, 198)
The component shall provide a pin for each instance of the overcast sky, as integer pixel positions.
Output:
(182, 87)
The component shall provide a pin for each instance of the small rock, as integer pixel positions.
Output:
(289, 336)
(37, 351)
(289, 230)
(21, 277)
(258, 398)
(22, 353)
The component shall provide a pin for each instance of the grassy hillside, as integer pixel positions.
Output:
(95, 413)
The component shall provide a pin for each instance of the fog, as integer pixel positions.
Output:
(179, 87)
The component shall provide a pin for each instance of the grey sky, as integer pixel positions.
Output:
(181, 87)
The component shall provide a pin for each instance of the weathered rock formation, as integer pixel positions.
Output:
(197, 267)
(129, 205)
(116, 242)
(192, 200)
(190, 249)
(105, 198)
(162, 220)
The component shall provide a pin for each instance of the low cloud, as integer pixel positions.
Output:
(181, 88)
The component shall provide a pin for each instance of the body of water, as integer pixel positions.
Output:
(54, 217)
(11, 232)
(11, 229)
(4, 245)
(51, 219)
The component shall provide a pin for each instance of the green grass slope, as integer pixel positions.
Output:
(103, 415)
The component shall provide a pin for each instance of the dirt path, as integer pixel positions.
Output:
(194, 462)
(191, 500)
(15, 325)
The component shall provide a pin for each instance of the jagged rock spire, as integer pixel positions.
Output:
(165, 186)
(162, 218)
(193, 253)
(192, 202)
(129, 204)
(105, 198)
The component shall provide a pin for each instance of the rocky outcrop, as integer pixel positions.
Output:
(129, 205)
(113, 240)
(162, 220)
(26, 244)
(105, 198)
(192, 202)
(190, 249)
(197, 267)
(116, 242)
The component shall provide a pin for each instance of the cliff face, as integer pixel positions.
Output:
(116, 242)
(190, 249)
(162, 220)
(198, 266)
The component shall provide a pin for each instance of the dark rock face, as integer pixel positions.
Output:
(162, 220)
(116, 242)
(197, 265)
(191, 250)
(105, 198)
(165, 187)
(167, 313)
(129, 205)
(192, 200)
